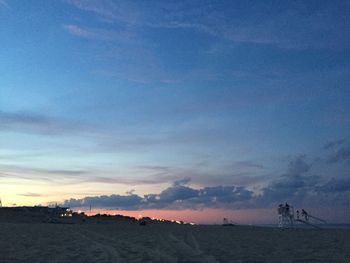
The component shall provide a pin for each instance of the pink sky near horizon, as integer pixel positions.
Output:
(204, 216)
(216, 215)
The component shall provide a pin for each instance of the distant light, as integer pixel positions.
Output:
(79, 211)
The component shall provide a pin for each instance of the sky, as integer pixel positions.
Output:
(191, 110)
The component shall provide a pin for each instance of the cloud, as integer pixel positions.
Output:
(82, 176)
(333, 144)
(285, 26)
(248, 164)
(297, 186)
(119, 36)
(176, 193)
(28, 122)
(129, 29)
(112, 201)
(130, 192)
(46, 175)
(77, 176)
(340, 155)
(298, 166)
(334, 185)
(182, 181)
(4, 4)
(295, 189)
(199, 176)
(124, 180)
(339, 151)
(177, 196)
(31, 194)
(121, 11)
(294, 185)
(156, 170)
(81, 32)
(22, 118)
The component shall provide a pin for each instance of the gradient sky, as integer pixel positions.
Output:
(193, 108)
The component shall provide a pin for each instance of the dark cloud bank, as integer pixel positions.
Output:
(178, 196)
(297, 185)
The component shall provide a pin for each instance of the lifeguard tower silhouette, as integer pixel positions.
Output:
(285, 216)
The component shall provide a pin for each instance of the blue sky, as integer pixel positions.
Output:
(128, 98)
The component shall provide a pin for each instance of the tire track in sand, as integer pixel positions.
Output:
(189, 250)
(110, 252)
(135, 252)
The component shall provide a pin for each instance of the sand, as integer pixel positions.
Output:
(130, 242)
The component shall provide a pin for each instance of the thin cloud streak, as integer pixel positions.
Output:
(40, 174)
(216, 22)
(77, 176)
(26, 122)
(81, 32)
(31, 195)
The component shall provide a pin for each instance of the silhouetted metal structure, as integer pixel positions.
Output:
(286, 217)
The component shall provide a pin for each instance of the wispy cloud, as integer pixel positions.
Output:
(4, 4)
(79, 176)
(41, 174)
(338, 151)
(81, 32)
(31, 194)
(129, 29)
(248, 165)
(28, 122)
(335, 186)
(119, 36)
(22, 118)
(218, 20)
(122, 11)
(342, 154)
(333, 144)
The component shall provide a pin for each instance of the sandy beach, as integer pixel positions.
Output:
(130, 242)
